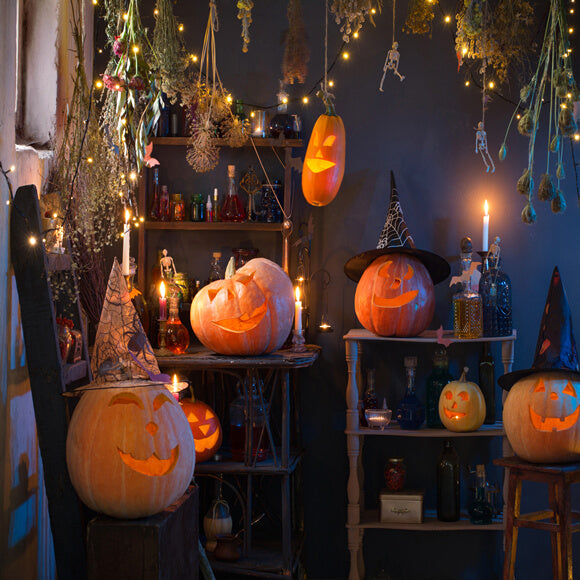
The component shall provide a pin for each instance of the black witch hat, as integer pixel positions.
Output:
(556, 347)
(395, 238)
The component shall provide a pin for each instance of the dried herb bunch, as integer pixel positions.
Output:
(168, 48)
(419, 17)
(86, 176)
(497, 34)
(245, 15)
(350, 15)
(552, 84)
(296, 52)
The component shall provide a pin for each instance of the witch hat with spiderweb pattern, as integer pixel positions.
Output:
(395, 238)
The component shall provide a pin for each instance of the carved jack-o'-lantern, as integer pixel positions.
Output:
(205, 427)
(395, 296)
(461, 405)
(248, 314)
(323, 168)
(541, 415)
(129, 449)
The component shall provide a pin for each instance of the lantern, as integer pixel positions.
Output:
(323, 167)
(129, 449)
(541, 415)
(395, 296)
(205, 427)
(248, 314)
(461, 405)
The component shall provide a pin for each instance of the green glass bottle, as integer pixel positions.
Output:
(481, 511)
(438, 378)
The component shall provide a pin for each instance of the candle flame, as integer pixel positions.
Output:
(174, 380)
(162, 289)
(127, 215)
(297, 293)
(486, 208)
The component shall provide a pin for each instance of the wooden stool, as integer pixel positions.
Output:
(560, 514)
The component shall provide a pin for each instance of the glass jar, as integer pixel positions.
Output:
(448, 484)
(177, 208)
(395, 472)
(197, 208)
(467, 309)
(243, 255)
(65, 338)
(496, 299)
(410, 412)
(438, 378)
(182, 282)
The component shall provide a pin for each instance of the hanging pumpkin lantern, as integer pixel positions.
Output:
(461, 405)
(541, 417)
(395, 296)
(205, 427)
(323, 167)
(248, 314)
(129, 449)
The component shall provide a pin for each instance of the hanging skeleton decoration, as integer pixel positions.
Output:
(393, 57)
(481, 147)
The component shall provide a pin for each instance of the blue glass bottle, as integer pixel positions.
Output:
(496, 295)
(410, 412)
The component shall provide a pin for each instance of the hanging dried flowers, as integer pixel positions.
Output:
(419, 17)
(245, 15)
(296, 52)
(351, 14)
(553, 82)
(168, 48)
(134, 98)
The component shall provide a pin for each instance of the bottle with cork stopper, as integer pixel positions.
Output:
(232, 209)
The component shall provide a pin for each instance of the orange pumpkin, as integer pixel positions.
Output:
(129, 449)
(323, 168)
(541, 417)
(205, 427)
(248, 314)
(462, 405)
(395, 296)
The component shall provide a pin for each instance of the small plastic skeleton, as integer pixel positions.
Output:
(481, 147)
(392, 63)
(168, 269)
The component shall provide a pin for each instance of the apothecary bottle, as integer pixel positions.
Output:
(436, 380)
(177, 336)
(197, 208)
(177, 208)
(370, 399)
(216, 272)
(154, 208)
(467, 310)
(481, 511)
(232, 208)
(164, 210)
(496, 296)
(448, 484)
(411, 411)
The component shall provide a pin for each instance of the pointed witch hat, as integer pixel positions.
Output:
(395, 238)
(556, 347)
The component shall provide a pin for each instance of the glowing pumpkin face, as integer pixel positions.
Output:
(130, 451)
(248, 314)
(462, 406)
(395, 296)
(323, 168)
(205, 427)
(541, 415)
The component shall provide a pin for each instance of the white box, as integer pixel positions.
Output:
(405, 507)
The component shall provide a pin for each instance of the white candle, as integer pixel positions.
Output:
(162, 302)
(298, 312)
(485, 236)
(126, 243)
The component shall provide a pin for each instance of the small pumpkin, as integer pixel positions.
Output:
(461, 405)
(129, 449)
(541, 417)
(323, 167)
(205, 428)
(250, 313)
(395, 296)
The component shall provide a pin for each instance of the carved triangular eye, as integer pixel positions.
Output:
(329, 141)
(208, 414)
(569, 390)
(231, 295)
(212, 294)
(540, 387)
(245, 279)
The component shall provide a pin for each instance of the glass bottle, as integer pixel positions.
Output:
(448, 484)
(487, 382)
(282, 122)
(481, 511)
(197, 208)
(177, 208)
(216, 272)
(177, 336)
(467, 312)
(232, 209)
(271, 196)
(137, 297)
(438, 378)
(410, 412)
(216, 205)
(164, 213)
(248, 418)
(496, 295)
(395, 473)
(154, 209)
(208, 210)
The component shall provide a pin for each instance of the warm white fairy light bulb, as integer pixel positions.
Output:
(305, 100)
(132, 176)
(447, 19)
(181, 28)
(345, 55)
(32, 240)
(330, 83)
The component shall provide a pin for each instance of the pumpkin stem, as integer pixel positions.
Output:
(230, 268)
(463, 377)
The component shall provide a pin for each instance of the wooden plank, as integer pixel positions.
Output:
(46, 382)
(425, 336)
(393, 430)
(214, 226)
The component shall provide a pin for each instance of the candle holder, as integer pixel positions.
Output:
(298, 341)
(162, 350)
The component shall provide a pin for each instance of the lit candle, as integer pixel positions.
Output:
(126, 243)
(162, 303)
(298, 312)
(485, 236)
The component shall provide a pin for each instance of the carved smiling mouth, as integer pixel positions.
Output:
(453, 414)
(153, 465)
(396, 302)
(319, 165)
(554, 423)
(245, 322)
